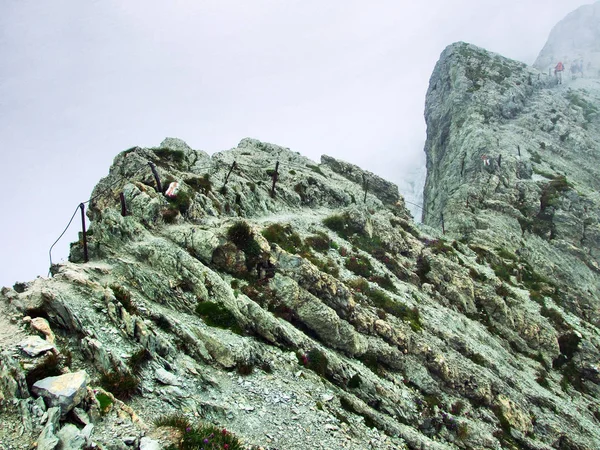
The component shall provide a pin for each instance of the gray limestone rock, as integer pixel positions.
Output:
(147, 443)
(166, 377)
(47, 440)
(70, 438)
(35, 345)
(65, 391)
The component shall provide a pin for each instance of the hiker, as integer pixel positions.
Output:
(558, 70)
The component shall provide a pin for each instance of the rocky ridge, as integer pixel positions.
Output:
(315, 317)
(297, 305)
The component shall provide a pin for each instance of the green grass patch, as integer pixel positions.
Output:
(216, 315)
(104, 402)
(359, 265)
(284, 236)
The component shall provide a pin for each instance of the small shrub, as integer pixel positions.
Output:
(177, 421)
(176, 156)
(569, 344)
(381, 300)
(432, 400)
(216, 315)
(475, 275)
(462, 432)
(200, 184)
(336, 223)
(138, 360)
(284, 236)
(319, 242)
(241, 235)
(201, 436)
(423, 268)
(244, 368)
(169, 215)
(355, 381)
(292, 172)
(385, 282)
(504, 253)
(503, 291)
(359, 265)
(439, 247)
(121, 385)
(317, 361)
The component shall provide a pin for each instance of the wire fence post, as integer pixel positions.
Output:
(156, 177)
(275, 175)
(443, 225)
(229, 173)
(123, 205)
(500, 160)
(365, 187)
(85, 249)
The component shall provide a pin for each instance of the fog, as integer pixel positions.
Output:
(81, 81)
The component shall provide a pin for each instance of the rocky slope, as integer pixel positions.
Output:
(511, 169)
(319, 317)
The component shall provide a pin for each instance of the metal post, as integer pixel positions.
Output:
(229, 173)
(519, 150)
(156, 177)
(499, 160)
(275, 174)
(123, 205)
(85, 249)
(365, 187)
(443, 225)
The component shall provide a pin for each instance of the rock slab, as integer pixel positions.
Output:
(65, 391)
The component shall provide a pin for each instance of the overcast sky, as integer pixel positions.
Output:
(81, 80)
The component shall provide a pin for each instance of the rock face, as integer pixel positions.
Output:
(574, 39)
(270, 297)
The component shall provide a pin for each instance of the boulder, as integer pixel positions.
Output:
(65, 391)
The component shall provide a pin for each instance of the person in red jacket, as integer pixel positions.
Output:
(558, 70)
